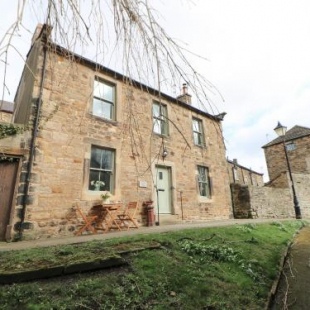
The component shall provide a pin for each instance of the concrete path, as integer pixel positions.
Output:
(4, 246)
(294, 287)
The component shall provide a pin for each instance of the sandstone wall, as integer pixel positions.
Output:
(299, 158)
(271, 202)
(67, 130)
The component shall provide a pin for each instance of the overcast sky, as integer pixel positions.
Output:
(258, 55)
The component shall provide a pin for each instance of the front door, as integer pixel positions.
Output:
(8, 171)
(163, 178)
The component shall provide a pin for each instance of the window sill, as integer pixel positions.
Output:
(102, 119)
(94, 195)
(160, 135)
(203, 199)
(201, 146)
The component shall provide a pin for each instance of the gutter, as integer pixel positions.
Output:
(33, 142)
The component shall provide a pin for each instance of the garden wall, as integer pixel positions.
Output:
(271, 202)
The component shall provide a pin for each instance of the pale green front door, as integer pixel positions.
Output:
(163, 178)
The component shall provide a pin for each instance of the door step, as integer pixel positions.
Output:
(168, 219)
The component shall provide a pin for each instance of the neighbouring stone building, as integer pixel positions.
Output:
(243, 180)
(243, 175)
(6, 111)
(92, 131)
(275, 199)
(297, 144)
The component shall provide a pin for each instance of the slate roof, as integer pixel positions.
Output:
(294, 133)
(6, 106)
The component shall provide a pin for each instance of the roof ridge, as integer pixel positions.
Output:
(293, 133)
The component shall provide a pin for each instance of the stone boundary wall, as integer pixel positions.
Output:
(271, 202)
(302, 186)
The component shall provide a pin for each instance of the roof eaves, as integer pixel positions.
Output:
(242, 167)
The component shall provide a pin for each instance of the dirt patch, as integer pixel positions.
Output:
(294, 287)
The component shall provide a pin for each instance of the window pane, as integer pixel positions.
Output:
(197, 139)
(106, 178)
(164, 130)
(202, 189)
(98, 89)
(102, 109)
(163, 112)
(203, 181)
(95, 183)
(290, 147)
(195, 125)
(156, 110)
(104, 91)
(202, 174)
(157, 126)
(108, 93)
(95, 160)
(106, 162)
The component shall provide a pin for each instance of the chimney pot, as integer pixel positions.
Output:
(185, 96)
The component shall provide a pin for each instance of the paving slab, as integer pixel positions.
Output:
(19, 245)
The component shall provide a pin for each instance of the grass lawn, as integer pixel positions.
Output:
(204, 268)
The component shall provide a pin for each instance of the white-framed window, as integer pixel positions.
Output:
(104, 99)
(204, 182)
(101, 170)
(160, 120)
(290, 146)
(198, 132)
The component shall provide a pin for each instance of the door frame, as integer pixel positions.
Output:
(9, 226)
(169, 189)
(171, 166)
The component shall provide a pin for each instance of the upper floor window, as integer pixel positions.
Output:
(160, 121)
(290, 146)
(104, 100)
(101, 174)
(204, 181)
(198, 132)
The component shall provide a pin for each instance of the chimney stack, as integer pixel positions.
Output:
(36, 33)
(185, 96)
(42, 31)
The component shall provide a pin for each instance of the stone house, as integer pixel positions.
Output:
(92, 131)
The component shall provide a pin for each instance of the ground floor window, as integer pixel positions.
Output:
(101, 174)
(204, 182)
